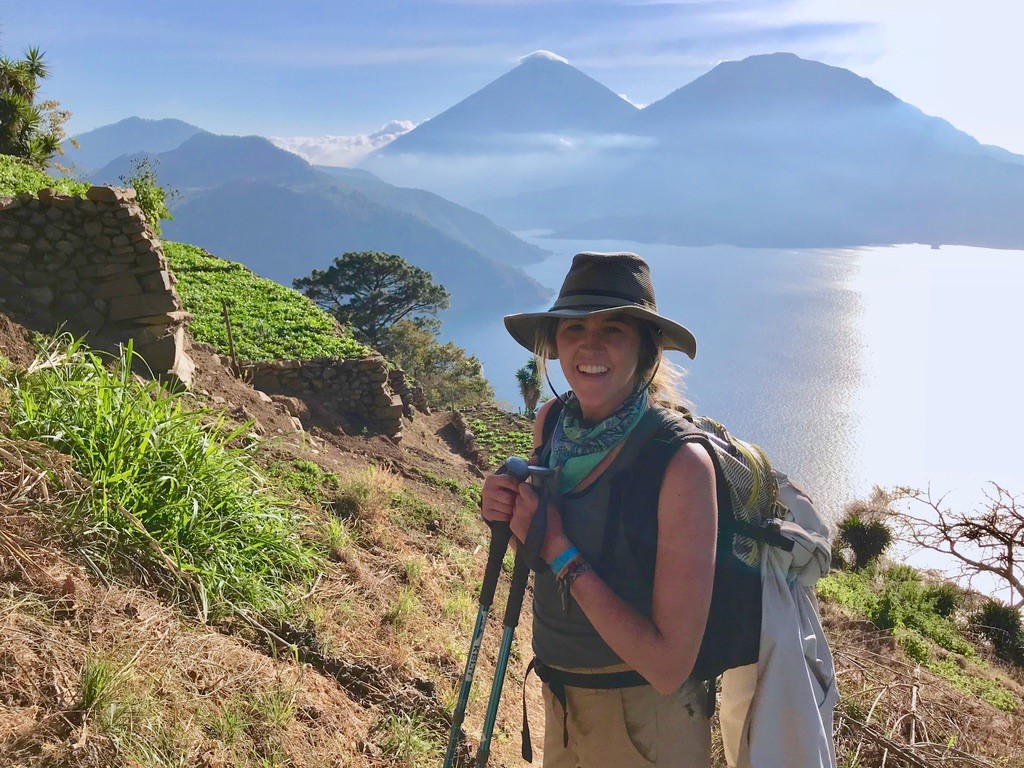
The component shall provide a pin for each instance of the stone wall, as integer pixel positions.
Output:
(413, 396)
(93, 266)
(355, 390)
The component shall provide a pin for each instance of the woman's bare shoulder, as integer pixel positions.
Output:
(690, 475)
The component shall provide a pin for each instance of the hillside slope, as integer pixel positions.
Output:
(99, 668)
(250, 201)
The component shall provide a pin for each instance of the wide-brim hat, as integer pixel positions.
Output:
(604, 284)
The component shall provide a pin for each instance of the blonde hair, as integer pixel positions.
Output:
(666, 386)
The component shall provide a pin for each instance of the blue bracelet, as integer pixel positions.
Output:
(563, 560)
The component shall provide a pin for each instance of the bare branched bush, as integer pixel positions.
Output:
(985, 540)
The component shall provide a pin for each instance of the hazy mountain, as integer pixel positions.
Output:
(543, 95)
(247, 200)
(543, 122)
(206, 160)
(460, 224)
(133, 134)
(284, 232)
(775, 150)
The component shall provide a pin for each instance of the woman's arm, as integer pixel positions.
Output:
(664, 648)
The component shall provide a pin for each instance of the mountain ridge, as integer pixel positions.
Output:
(540, 95)
(306, 216)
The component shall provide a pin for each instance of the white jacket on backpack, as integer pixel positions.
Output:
(779, 712)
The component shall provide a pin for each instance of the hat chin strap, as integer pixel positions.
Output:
(554, 391)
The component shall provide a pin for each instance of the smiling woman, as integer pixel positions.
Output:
(615, 639)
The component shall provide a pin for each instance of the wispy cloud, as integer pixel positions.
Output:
(342, 150)
(637, 104)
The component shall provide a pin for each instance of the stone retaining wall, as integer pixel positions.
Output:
(413, 396)
(94, 266)
(356, 390)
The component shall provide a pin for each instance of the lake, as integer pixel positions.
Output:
(853, 368)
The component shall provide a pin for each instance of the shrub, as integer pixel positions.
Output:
(151, 197)
(1001, 624)
(18, 177)
(906, 605)
(169, 497)
(913, 643)
(901, 572)
(867, 539)
(852, 590)
(450, 377)
(945, 598)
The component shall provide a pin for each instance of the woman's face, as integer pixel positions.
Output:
(599, 355)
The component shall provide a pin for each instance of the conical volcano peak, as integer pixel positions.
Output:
(771, 85)
(773, 76)
(543, 96)
(542, 56)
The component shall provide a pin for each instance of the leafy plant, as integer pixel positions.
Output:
(414, 511)
(530, 385)
(269, 321)
(168, 497)
(29, 129)
(494, 434)
(867, 538)
(19, 177)
(946, 598)
(306, 479)
(1001, 624)
(449, 377)
(905, 604)
(970, 681)
(151, 197)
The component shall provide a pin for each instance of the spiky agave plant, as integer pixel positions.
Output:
(530, 384)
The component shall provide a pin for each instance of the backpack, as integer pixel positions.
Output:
(750, 513)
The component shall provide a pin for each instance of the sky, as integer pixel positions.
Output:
(362, 71)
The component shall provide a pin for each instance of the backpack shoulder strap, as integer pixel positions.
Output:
(550, 422)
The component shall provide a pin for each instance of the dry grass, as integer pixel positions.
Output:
(359, 670)
(895, 713)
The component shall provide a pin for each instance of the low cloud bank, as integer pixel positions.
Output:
(343, 151)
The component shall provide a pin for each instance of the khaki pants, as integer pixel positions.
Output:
(738, 686)
(628, 728)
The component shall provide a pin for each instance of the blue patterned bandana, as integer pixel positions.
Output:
(578, 448)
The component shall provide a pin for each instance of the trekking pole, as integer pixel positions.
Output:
(516, 592)
(501, 534)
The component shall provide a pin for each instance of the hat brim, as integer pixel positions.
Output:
(524, 327)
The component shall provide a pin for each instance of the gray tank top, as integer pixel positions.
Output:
(568, 639)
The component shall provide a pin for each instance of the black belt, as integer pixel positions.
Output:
(557, 680)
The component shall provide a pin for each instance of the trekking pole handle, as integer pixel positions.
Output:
(521, 571)
(501, 534)
(516, 591)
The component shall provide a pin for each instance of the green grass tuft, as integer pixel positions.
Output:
(168, 495)
(408, 741)
(305, 479)
(268, 321)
